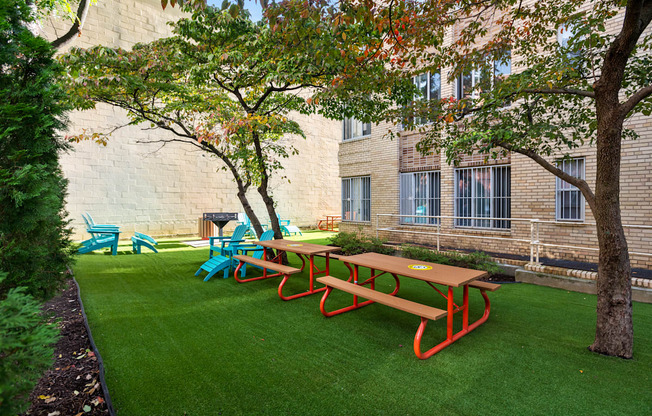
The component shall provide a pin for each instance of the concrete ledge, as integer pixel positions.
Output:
(639, 294)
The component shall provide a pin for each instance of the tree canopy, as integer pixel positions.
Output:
(222, 84)
(536, 78)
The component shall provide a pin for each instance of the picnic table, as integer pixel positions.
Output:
(330, 223)
(430, 273)
(305, 251)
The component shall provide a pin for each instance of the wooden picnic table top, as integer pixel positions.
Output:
(297, 246)
(429, 272)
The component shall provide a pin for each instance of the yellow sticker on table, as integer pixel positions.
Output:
(419, 267)
(295, 245)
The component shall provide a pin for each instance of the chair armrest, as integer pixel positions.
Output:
(231, 242)
(211, 239)
(247, 247)
(103, 230)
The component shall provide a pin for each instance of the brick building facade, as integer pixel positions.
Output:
(530, 193)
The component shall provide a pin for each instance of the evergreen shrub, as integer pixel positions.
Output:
(26, 349)
(475, 260)
(356, 243)
(34, 238)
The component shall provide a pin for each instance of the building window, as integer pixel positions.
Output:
(420, 195)
(473, 83)
(483, 192)
(565, 35)
(429, 88)
(569, 199)
(354, 129)
(356, 199)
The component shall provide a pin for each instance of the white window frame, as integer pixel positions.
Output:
(565, 192)
(420, 121)
(476, 76)
(423, 202)
(356, 199)
(347, 128)
(473, 200)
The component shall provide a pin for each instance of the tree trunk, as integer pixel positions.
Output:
(242, 187)
(249, 211)
(263, 189)
(614, 328)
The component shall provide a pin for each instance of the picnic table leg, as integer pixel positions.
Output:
(312, 273)
(450, 337)
(356, 305)
(485, 315)
(355, 281)
(465, 313)
(449, 318)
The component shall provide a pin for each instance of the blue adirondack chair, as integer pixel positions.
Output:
(243, 219)
(286, 228)
(253, 248)
(140, 240)
(91, 224)
(100, 238)
(226, 243)
(102, 235)
(214, 265)
(221, 262)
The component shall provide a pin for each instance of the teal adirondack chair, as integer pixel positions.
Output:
(102, 235)
(100, 238)
(99, 227)
(140, 240)
(226, 243)
(91, 224)
(286, 228)
(253, 248)
(243, 219)
(221, 262)
(215, 264)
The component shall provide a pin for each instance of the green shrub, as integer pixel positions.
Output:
(34, 238)
(356, 243)
(26, 349)
(476, 260)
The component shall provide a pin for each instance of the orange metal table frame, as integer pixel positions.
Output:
(432, 274)
(329, 224)
(305, 251)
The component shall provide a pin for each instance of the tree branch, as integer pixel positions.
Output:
(75, 29)
(580, 184)
(636, 98)
(560, 91)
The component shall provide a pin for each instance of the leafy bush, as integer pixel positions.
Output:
(476, 260)
(34, 238)
(356, 243)
(26, 349)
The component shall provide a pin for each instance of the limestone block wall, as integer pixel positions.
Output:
(163, 190)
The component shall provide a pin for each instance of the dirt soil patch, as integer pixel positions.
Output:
(72, 385)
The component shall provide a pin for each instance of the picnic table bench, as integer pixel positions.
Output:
(430, 273)
(305, 251)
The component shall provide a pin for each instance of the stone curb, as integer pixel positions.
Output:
(580, 274)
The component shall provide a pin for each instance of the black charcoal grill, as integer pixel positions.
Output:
(220, 218)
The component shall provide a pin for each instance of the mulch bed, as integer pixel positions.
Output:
(72, 385)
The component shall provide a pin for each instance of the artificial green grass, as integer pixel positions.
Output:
(173, 345)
